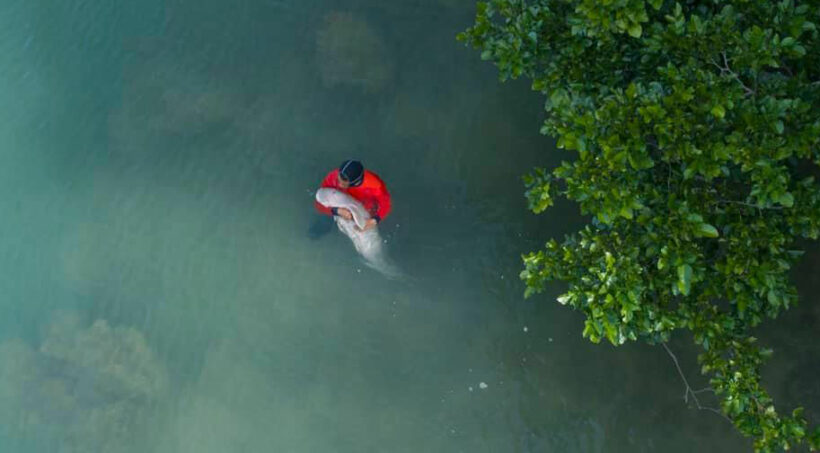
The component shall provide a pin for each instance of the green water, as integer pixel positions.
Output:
(159, 289)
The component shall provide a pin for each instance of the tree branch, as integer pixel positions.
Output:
(725, 69)
(688, 391)
(707, 389)
(753, 206)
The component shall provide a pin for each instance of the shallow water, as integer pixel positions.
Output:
(157, 168)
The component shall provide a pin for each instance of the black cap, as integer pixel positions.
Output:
(352, 171)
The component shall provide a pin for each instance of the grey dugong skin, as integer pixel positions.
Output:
(333, 198)
(367, 243)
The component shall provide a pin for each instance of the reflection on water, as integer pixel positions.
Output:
(157, 170)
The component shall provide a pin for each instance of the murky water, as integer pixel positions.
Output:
(160, 291)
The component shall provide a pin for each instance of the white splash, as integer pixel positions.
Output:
(368, 243)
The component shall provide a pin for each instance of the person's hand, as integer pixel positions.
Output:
(344, 213)
(371, 223)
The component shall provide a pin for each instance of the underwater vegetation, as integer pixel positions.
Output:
(82, 389)
(349, 52)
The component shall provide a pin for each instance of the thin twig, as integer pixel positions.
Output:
(734, 74)
(725, 69)
(743, 203)
(707, 389)
(788, 69)
(688, 391)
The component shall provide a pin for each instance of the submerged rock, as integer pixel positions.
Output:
(349, 52)
(161, 101)
(84, 389)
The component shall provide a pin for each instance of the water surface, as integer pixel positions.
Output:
(160, 292)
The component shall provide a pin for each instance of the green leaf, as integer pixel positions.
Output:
(707, 230)
(626, 212)
(684, 279)
(688, 114)
(772, 297)
(631, 91)
(558, 98)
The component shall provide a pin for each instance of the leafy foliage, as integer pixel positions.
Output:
(696, 127)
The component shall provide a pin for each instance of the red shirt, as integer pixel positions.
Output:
(371, 193)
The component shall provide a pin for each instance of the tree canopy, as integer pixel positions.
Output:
(694, 127)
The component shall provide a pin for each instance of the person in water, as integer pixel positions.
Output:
(363, 185)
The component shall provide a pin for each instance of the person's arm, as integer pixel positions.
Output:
(383, 203)
(322, 209)
(328, 182)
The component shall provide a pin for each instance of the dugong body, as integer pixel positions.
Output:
(368, 243)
